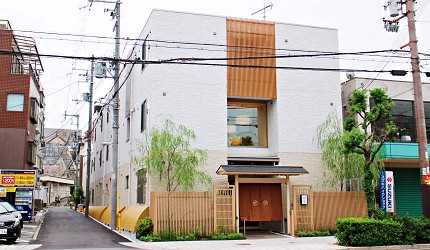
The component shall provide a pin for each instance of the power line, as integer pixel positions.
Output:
(170, 42)
(2, 52)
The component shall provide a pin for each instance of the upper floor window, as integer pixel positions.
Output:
(31, 153)
(100, 158)
(15, 102)
(34, 110)
(101, 121)
(107, 153)
(143, 114)
(247, 124)
(128, 129)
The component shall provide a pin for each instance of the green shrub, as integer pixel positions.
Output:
(150, 238)
(231, 236)
(190, 236)
(417, 229)
(235, 236)
(168, 235)
(370, 232)
(144, 227)
(313, 233)
(219, 236)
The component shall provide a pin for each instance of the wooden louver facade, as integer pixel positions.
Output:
(249, 38)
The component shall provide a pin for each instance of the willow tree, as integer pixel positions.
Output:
(167, 154)
(362, 135)
(341, 165)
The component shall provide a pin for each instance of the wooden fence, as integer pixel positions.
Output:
(182, 212)
(329, 206)
(323, 208)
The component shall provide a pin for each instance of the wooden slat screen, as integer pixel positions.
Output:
(249, 38)
(330, 206)
(182, 212)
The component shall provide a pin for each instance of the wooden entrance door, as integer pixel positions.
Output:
(260, 202)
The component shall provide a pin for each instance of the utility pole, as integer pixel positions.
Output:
(418, 96)
(116, 13)
(90, 118)
(419, 106)
(115, 125)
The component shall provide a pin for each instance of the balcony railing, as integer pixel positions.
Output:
(399, 150)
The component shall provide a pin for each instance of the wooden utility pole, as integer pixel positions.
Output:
(418, 107)
(418, 95)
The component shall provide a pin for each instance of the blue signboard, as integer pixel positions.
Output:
(382, 186)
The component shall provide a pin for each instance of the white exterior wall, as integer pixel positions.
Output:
(100, 175)
(188, 95)
(397, 90)
(305, 98)
(196, 96)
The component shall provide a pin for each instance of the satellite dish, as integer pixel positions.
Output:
(350, 75)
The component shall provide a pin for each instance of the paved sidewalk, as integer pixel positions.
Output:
(285, 242)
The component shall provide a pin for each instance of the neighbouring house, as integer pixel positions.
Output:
(255, 115)
(58, 165)
(22, 103)
(52, 187)
(401, 154)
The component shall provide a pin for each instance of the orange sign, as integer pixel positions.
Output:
(427, 180)
(17, 178)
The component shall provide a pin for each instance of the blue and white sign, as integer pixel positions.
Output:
(386, 189)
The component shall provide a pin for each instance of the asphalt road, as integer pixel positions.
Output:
(64, 228)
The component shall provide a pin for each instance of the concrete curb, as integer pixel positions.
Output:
(36, 233)
(393, 247)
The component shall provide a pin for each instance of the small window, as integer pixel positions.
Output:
(34, 110)
(107, 153)
(107, 117)
(31, 153)
(141, 186)
(15, 102)
(100, 157)
(101, 121)
(127, 179)
(143, 116)
(128, 129)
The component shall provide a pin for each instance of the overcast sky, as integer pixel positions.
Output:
(359, 24)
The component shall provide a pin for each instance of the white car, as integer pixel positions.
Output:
(13, 211)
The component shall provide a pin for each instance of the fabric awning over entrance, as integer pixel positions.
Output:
(260, 170)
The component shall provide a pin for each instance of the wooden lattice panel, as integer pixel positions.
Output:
(224, 209)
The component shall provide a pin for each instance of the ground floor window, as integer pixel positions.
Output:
(141, 186)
